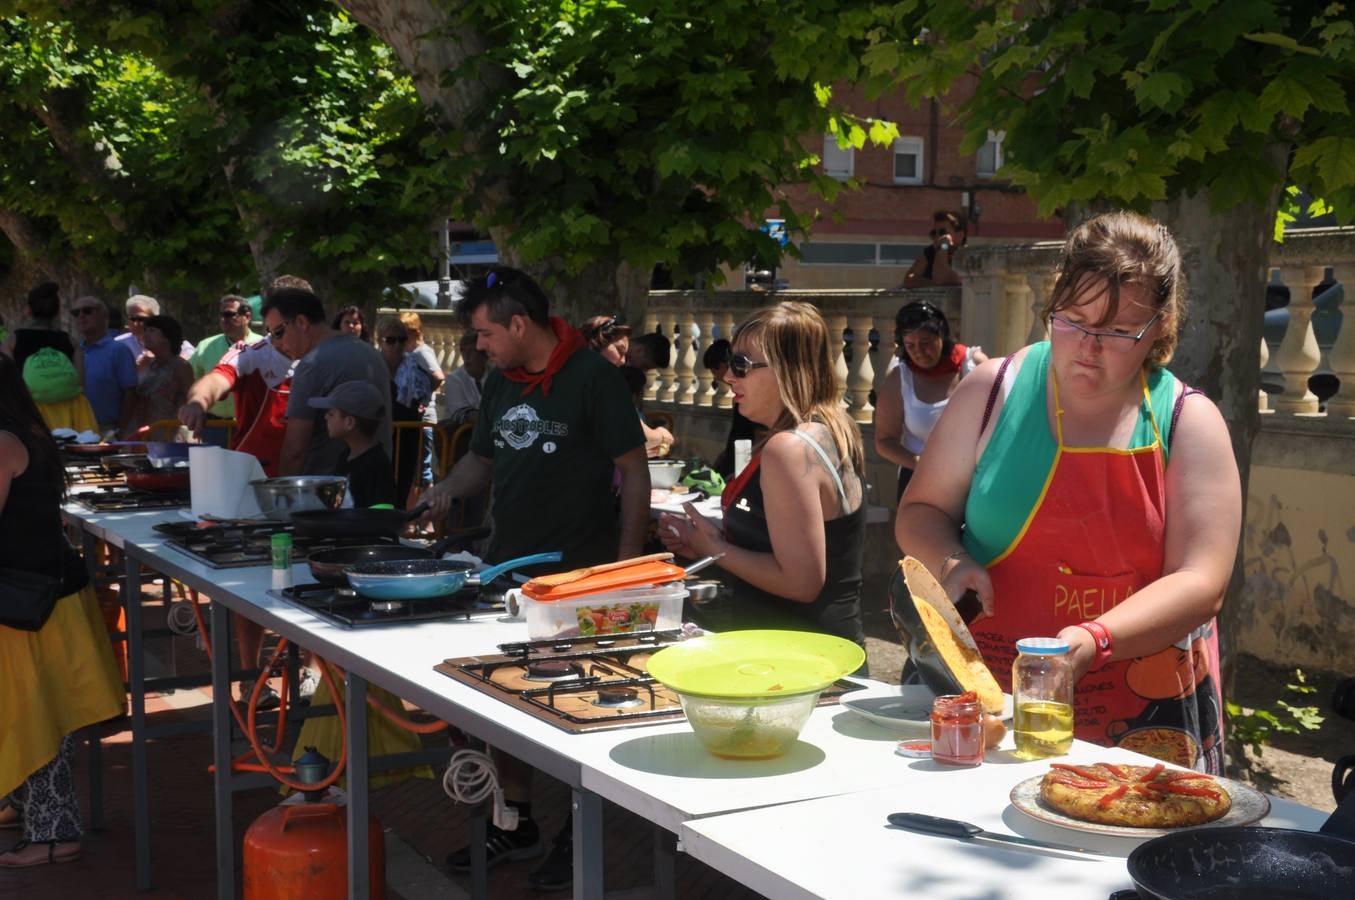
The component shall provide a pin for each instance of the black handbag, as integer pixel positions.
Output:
(27, 598)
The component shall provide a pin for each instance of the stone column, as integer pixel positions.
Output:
(652, 377)
(1262, 398)
(724, 396)
(1298, 355)
(837, 324)
(1342, 355)
(705, 384)
(686, 361)
(1016, 294)
(1041, 286)
(668, 380)
(861, 373)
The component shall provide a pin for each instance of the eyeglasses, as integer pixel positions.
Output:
(137, 318)
(84, 311)
(277, 333)
(227, 314)
(740, 365)
(1119, 341)
(395, 338)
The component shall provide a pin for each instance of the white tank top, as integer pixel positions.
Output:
(920, 418)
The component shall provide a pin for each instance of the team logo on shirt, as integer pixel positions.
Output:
(520, 426)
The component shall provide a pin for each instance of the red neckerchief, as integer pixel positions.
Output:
(570, 340)
(735, 487)
(948, 366)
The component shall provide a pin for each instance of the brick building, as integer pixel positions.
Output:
(870, 236)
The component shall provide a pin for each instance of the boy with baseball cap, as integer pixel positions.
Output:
(353, 412)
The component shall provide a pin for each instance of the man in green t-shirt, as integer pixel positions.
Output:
(235, 318)
(556, 423)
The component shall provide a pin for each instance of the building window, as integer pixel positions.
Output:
(823, 253)
(908, 160)
(990, 154)
(837, 162)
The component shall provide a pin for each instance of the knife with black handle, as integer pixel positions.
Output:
(966, 832)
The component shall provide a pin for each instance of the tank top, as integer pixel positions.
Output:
(837, 608)
(32, 537)
(28, 341)
(920, 417)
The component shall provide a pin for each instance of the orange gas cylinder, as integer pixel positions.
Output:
(301, 850)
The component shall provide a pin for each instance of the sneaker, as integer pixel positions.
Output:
(557, 872)
(268, 698)
(501, 846)
(305, 688)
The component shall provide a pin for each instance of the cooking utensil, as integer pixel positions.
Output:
(354, 523)
(159, 481)
(167, 454)
(751, 664)
(664, 473)
(329, 566)
(545, 582)
(966, 831)
(281, 498)
(416, 579)
(922, 650)
(1250, 863)
(640, 575)
(117, 463)
(704, 562)
(87, 449)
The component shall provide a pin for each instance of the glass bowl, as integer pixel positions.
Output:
(748, 727)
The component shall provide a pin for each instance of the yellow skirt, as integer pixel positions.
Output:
(383, 736)
(75, 413)
(53, 682)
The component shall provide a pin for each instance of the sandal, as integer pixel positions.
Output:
(10, 815)
(26, 854)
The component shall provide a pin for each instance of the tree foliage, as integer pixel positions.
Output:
(1134, 102)
(284, 132)
(654, 131)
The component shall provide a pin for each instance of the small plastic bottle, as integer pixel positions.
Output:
(1042, 692)
(282, 560)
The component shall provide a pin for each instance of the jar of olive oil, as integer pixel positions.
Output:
(1042, 692)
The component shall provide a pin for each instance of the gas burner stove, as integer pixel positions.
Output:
(585, 684)
(116, 497)
(345, 607)
(238, 543)
(78, 474)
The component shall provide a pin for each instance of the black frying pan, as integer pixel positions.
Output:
(354, 523)
(922, 652)
(1249, 863)
(329, 566)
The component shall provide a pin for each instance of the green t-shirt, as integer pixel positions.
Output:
(204, 360)
(553, 461)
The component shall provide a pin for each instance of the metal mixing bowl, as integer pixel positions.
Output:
(280, 497)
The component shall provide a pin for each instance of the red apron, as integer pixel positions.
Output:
(1095, 537)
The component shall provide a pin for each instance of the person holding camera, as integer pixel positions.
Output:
(933, 268)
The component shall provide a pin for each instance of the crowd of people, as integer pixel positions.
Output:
(1077, 466)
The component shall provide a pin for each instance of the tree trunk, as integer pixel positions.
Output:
(1227, 256)
(66, 271)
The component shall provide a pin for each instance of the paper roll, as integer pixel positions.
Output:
(743, 455)
(219, 480)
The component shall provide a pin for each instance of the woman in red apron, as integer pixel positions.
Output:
(1100, 499)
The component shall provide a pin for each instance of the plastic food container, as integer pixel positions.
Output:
(613, 612)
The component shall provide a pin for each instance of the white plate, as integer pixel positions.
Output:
(1249, 806)
(902, 707)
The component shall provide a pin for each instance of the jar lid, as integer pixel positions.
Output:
(1042, 645)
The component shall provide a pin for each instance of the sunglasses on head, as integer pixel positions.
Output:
(740, 365)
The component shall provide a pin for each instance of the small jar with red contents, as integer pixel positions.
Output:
(957, 729)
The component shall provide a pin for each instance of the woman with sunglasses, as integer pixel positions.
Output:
(949, 232)
(915, 392)
(794, 518)
(1100, 499)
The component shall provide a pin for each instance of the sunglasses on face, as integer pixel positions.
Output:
(740, 365)
(1107, 340)
(277, 333)
(227, 314)
(137, 319)
(395, 339)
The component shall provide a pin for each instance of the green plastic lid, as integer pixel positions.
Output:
(754, 664)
